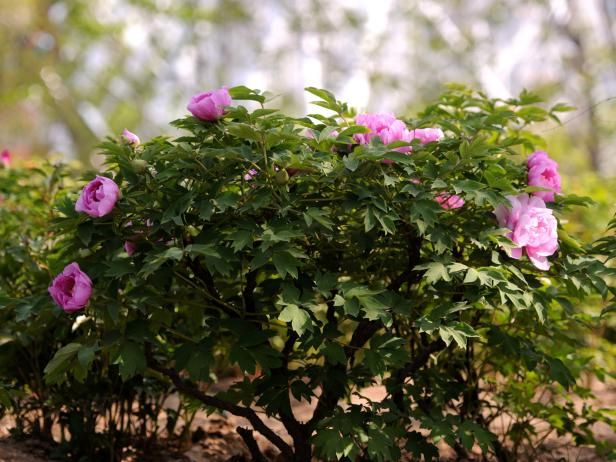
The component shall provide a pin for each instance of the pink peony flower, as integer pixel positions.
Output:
(386, 127)
(210, 105)
(129, 248)
(71, 289)
(129, 137)
(537, 157)
(449, 201)
(397, 131)
(376, 122)
(533, 228)
(543, 172)
(427, 135)
(5, 158)
(98, 197)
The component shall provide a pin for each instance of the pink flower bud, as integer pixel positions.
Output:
(129, 248)
(210, 105)
(129, 137)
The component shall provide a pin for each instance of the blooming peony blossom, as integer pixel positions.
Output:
(449, 201)
(376, 122)
(71, 289)
(427, 135)
(129, 137)
(210, 105)
(98, 197)
(543, 172)
(397, 131)
(129, 248)
(5, 158)
(533, 228)
(386, 127)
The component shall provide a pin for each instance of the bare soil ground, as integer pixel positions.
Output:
(214, 438)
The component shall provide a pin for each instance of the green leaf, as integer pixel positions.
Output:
(318, 215)
(458, 332)
(206, 250)
(323, 94)
(334, 353)
(374, 308)
(244, 93)
(132, 360)
(156, 260)
(85, 356)
(85, 231)
(285, 263)
(419, 445)
(560, 372)
(299, 319)
(435, 272)
(562, 107)
(361, 291)
(178, 208)
(469, 432)
(369, 219)
(120, 267)
(457, 267)
(244, 131)
(353, 129)
(61, 362)
(471, 276)
(351, 162)
(240, 239)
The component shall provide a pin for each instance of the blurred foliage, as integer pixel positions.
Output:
(76, 71)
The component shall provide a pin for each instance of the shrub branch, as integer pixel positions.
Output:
(191, 390)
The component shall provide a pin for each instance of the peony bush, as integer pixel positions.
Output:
(93, 414)
(323, 255)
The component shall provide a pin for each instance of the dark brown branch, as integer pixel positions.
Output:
(252, 445)
(363, 332)
(191, 390)
(296, 429)
(413, 250)
(248, 292)
(422, 358)
(331, 309)
(205, 276)
(288, 346)
(332, 389)
(413, 366)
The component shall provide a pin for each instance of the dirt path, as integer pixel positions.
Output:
(12, 451)
(214, 437)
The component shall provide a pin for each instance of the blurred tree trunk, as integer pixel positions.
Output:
(582, 65)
